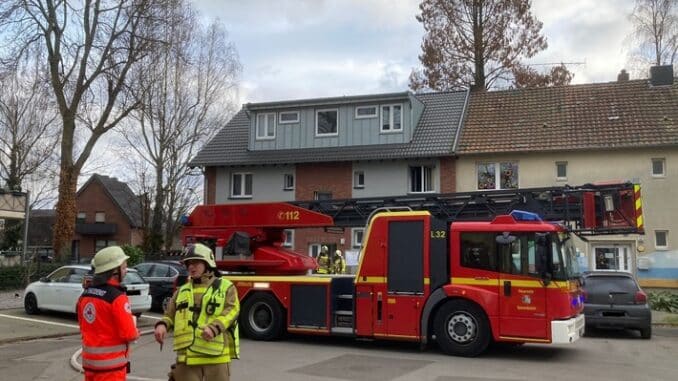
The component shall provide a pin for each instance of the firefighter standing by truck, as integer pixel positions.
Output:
(106, 321)
(339, 263)
(324, 264)
(203, 314)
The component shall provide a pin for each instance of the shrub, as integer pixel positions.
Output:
(14, 277)
(663, 301)
(136, 255)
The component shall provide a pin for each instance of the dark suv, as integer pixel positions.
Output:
(164, 278)
(613, 299)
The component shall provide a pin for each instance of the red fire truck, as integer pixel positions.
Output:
(461, 269)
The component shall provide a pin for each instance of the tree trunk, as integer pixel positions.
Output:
(64, 227)
(157, 218)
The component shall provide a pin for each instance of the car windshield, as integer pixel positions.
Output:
(605, 284)
(564, 257)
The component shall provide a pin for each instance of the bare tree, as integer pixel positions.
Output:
(91, 46)
(28, 137)
(480, 44)
(654, 40)
(185, 100)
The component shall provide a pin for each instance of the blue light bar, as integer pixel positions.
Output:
(184, 220)
(521, 215)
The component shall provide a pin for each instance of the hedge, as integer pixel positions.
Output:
(14, 277)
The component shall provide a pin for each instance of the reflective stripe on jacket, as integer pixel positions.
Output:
(107, 326)
(323, 264)
(216, 311)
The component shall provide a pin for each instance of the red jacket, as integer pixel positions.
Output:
(107, 327)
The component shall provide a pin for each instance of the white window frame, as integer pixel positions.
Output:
(424, 183)
(81, 216)
(560, 178)
(286, 185)
(370, 116)
(390, 117)
(289, 238)
(280, 114)
(100, 217)
(356, 176)
(316, 122)
(497, 173)
(311, 250)
(663, 162)
(355, 243)
(666, 239)
(243, 184)
(265, 116)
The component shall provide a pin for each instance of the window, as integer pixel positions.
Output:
(326, 122)
(266, 126)
(288, 117)
(391, 118)
(358, 179)
(658, 167)
(519, 257)
(102, 243)
(497, 175)
(313, 249)
(288, 182)
(357, 237)
(289, 238)
(81, 218)
(478, 251)
(421, 179)
(317, 195)
(241, 185)
(661, 239)
(561, 170)
(100, 217)
(364, 112)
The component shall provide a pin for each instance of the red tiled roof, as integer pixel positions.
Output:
(576, 117)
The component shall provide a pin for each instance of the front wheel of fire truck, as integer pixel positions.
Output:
(261, 317)
(461, 328)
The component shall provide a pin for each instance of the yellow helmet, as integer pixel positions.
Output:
(108, 258)
(202, 252)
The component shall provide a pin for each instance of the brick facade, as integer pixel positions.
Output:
(92, 199)
(210, 195)
(448, 174)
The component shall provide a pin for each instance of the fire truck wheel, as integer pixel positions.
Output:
(461, 328)
(262, 317)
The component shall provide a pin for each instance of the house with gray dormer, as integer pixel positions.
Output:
(334, 148)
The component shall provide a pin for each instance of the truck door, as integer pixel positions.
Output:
(522, 294)
(403, 300)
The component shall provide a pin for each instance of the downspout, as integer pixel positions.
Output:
(461, 120)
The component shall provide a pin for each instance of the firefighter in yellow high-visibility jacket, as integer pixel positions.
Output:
(339, 263)
(324, 265)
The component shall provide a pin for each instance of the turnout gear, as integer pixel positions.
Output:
(201, 252)
(339, 263)
(324, 266)
(107, 327)
(108, 258)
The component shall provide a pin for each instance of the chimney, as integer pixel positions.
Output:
(623, 76)
(661, 75)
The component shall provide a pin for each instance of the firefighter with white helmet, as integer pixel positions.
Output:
(106, 322)
(339, 263)
(324, 266)
(203, 314)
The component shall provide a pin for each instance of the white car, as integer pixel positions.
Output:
(60, 290)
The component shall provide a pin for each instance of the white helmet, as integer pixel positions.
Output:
(108, 258)
(338, 252)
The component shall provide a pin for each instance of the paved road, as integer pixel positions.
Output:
(604, 356)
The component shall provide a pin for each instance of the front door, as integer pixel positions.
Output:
(614, 258)
(522, 294)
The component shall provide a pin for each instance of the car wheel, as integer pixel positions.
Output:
(462, 329)
(31, 304)
(262, 317)
(646, 333)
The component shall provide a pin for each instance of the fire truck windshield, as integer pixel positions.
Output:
(564, 257)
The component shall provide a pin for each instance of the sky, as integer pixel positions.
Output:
(296, 49)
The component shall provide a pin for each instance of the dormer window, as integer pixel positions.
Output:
(266, 126)
(392, 118)
(327, 122)
(288, 117)
(365, 112)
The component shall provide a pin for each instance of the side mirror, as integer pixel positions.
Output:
(505, 238)
(44, 279)
(546, 278)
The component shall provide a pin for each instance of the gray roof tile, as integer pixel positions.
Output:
(433, 136)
